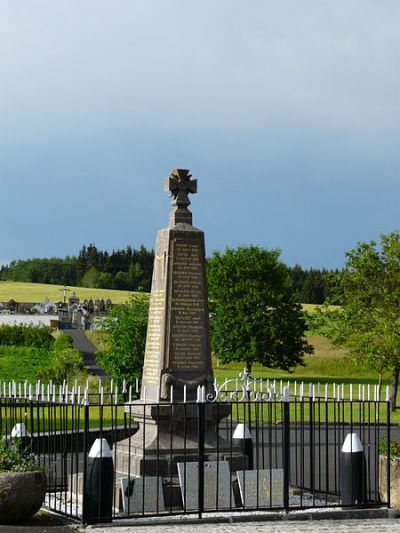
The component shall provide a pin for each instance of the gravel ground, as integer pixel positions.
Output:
(309, 526)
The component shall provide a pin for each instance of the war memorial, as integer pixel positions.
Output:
(177, 365)
(182, 444)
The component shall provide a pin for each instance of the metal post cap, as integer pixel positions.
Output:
(100, 449)
(352, 444)
(241, 432)
(19, 430)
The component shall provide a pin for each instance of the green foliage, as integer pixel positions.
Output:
(67, 362)
(368, 324)
(14, 458)
(23, 335)
(126, 326)
(314, 286)
(253, 316)
(62, 342)
(52, 270)
(126, 269)
(91, 278)
(22, 362)
(394, 448)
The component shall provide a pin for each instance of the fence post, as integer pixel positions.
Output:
(200, 432)
(388, 463)
(125, 398)
(85, 455)
(286, 448)
(311, 437)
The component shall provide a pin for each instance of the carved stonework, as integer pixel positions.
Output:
(180, 184)
(178, 349)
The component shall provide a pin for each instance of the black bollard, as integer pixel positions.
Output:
(99, 487)
(242, 436)
(352, 471)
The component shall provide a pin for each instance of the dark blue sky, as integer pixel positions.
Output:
(287, 112)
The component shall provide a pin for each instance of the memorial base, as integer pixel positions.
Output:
(168, 434)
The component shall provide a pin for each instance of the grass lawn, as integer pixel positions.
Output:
(312, 307)
(98, 338)
(60, 418)
(38, 292)
(327, 365)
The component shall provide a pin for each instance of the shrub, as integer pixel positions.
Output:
(126, 327)
(14, 458)
(62, 342)
(23, 335)
(68, 362)
(22, 362)
(394, 448)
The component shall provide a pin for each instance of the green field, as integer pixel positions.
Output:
(327, 365)
(38, 292)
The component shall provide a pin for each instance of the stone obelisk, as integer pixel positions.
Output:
(178, 355)
(178, 341)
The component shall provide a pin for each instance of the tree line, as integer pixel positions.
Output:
(131, 269)
(126, 269)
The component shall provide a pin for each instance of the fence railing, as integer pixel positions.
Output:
(243, 387)
(235, 450)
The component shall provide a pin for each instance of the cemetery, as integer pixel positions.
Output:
(67, 314)
(181, 443)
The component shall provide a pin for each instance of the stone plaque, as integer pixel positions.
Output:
(216, 495)
(261, 488)
(152, 366)
(188, 341)
(142, 495)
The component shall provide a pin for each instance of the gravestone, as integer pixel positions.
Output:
(261, 488)
(133, 489)
(177, 355)
(218, 493)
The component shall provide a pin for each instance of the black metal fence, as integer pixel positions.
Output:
(227, 453)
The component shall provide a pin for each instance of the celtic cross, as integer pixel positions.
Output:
(180, 185)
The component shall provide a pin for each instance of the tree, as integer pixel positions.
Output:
(126, 326)
(368, 323)
(91, 278)
(254, 318)
(120, 280)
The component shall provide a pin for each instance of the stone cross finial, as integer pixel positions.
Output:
(180, 185)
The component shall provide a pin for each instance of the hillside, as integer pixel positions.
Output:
(38, 292)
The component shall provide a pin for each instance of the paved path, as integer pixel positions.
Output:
(88, 350)
(308, 526)
(49, 523)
